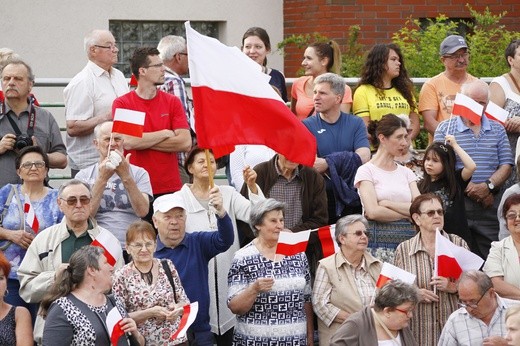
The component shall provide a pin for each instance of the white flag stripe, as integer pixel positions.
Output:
(468, 102)
(466, 259)
(396, 273)
(108, 241)
(204, 73)
(129, 116)
(293, 238)
(113, 318)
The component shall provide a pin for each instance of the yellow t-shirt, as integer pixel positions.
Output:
(368, 103)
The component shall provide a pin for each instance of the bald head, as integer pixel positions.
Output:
(477, 90)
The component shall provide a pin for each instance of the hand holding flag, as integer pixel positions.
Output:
(32, 220)
(188, 317)
(113, 322)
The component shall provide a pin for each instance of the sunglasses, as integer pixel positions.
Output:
(84, 200)
(431, 213)
(359, 233)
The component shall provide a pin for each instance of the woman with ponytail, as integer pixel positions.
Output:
(77, 305)
(319, 58)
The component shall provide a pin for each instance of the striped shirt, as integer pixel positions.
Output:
(428, 318)
(490, 149)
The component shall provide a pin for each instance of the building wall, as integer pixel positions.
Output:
(378, 19)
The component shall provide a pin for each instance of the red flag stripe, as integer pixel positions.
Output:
(110, 259)
(448, 267)
(382, 280)
(127, 128)
(291, 249)
(184, 320)
(327, 242)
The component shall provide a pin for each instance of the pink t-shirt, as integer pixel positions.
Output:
(389, 185)
(304, 103)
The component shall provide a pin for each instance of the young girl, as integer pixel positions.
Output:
(441, 178)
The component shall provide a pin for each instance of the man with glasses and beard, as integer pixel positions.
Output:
(89, 96)
(50, 251)
(166, 130)
(480, 320)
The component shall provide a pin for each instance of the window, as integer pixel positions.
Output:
(131, 34)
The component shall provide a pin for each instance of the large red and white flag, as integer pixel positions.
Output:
(327, 237)
(468, 108)
(128, 122)
(188, 317)
(114, 328)
(495, 112)
(32, 220)
(111, 247)
(234, 103)
(290, 243)
(451, 260)
(390, 272)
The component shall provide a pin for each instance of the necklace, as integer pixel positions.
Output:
(148, 276)
(514, 81)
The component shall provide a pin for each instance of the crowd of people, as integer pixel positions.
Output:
(184, 240)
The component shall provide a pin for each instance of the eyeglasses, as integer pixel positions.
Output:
(359, 233)
(512, 215)
(111, 46)
(183, 54)
(84, 200)
(431, 213)
(457, 56)
(29, 164)
(155, 65)
(406, 312)
(472, 305)
(139, 246)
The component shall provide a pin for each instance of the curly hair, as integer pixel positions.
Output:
(375, 67)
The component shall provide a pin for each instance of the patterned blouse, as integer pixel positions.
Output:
(428, 318)
(136, 295)
(277, 317)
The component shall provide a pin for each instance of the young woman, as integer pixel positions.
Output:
(441, 178)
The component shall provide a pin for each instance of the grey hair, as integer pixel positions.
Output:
(72, 182)
(7, 55)
(261, 208)
(97, 129)
(337, 83)
(394, 294)
(477, 85)
(14, 61)
(91, 39)
(482, 280)
(170, 45)
(343, 223)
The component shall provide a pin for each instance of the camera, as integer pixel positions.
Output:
(23, 141)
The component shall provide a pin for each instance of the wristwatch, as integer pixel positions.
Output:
(491, 186)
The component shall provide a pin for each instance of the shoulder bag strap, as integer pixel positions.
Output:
(168, 272)
(12, 193)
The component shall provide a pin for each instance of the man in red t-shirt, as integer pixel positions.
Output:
(166, 130)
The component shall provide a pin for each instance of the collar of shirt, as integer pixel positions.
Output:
(170, 71)
(160, 244)
(484, 123)
(341, 260)
(90, 226)
(97, 70)
(8, 109)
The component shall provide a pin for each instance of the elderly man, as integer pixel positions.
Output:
(121, 192)
(89, 97)
(174, 55)
(438, 93)
(166, 130)
(191, 252)
(480, 320)
(488, 146)
(22, 123)
(51, 249)
(342, 145)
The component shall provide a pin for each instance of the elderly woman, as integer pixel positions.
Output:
(319, 58)
(385, 323)
(150, 289)
(384, 87)
(346, 281)
(32, 165)
(200, 217)
(77, 305)
(387, 189)
(502, 262)
(265, 287)
(15, 321)
(417, 256)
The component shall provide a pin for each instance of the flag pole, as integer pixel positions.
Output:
(449, 125)
(210, 171)
(435, 260)
(110, 142)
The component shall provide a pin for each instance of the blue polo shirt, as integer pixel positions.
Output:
(490, 149)
(191, 259)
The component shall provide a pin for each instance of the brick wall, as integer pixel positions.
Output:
(378, 19)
